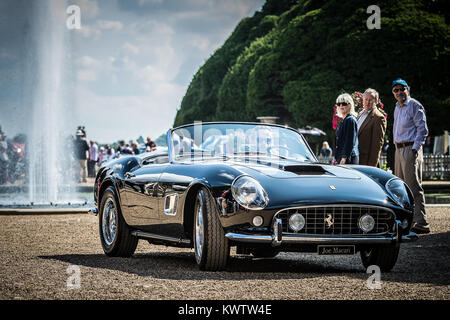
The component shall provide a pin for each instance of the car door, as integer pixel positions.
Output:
(143, 193)
(174, 183)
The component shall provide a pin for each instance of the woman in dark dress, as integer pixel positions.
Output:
(347, 132)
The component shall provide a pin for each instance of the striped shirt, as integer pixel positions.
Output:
(362, 117)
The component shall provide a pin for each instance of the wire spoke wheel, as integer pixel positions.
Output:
(115, 235)
(109, 222)
(199, 239)
(211, 247)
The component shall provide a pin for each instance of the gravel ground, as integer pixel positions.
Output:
(41, 255)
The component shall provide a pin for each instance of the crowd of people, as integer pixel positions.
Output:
(360, 137)
(90, 156)
(12, 158)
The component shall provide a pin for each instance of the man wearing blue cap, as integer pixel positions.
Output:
(410, 133)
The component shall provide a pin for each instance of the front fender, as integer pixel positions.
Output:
(382, 177)
(376, 174)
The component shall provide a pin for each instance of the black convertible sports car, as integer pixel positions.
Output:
(255, 186)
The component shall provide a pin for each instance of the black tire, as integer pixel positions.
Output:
(264, 252)
(211, 248)
(384, 257)
(117, 241)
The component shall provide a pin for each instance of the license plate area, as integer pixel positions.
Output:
(335, 250)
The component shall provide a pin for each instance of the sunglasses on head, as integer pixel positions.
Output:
(399, 89)
(342, 104)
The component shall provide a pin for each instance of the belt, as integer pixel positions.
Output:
(404, 144)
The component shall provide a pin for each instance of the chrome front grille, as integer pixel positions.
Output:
(338, 220)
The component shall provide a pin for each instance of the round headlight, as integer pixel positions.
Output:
(366, 223)
(397, 190)
(296, 222)
(249, 193)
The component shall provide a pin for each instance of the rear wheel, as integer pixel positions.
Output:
(115, 235)
(211, 248)
(384, 257)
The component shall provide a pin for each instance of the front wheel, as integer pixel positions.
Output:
(211, 247)
(384, 257)
(115, 236)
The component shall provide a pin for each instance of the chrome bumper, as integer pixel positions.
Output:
(278, 238)
(295, 239)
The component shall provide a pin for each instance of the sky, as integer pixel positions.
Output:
(129, 63)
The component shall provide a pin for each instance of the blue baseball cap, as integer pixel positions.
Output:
(399, 81)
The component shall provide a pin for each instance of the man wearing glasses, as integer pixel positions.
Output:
(410, 132)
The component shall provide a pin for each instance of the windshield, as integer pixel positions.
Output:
(234, 140)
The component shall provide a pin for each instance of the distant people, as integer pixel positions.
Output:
(371, 130)
(93, 158)
(101, 156)
(124, 148)
(128, 149)
(347, 132)
(121, 147)
(326, 151)
(110, 153)
(81, 154)
(135, 148)
(410, 132)
(150, 145)
(4, 159)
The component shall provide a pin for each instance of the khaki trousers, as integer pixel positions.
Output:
(408, 167)
(83, 170)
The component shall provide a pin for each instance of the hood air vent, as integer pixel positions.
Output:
(306, 170)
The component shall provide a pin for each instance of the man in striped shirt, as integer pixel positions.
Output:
(410, 133)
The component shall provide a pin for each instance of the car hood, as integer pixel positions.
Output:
(297, 184)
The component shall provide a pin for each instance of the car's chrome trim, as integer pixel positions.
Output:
(146, 235)
(171, 204)
(295, 239)
(169, 145)
(277, 238)
(277, 233)
(254, 238)
(337, 206)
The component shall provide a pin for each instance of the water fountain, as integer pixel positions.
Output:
(47, 88)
